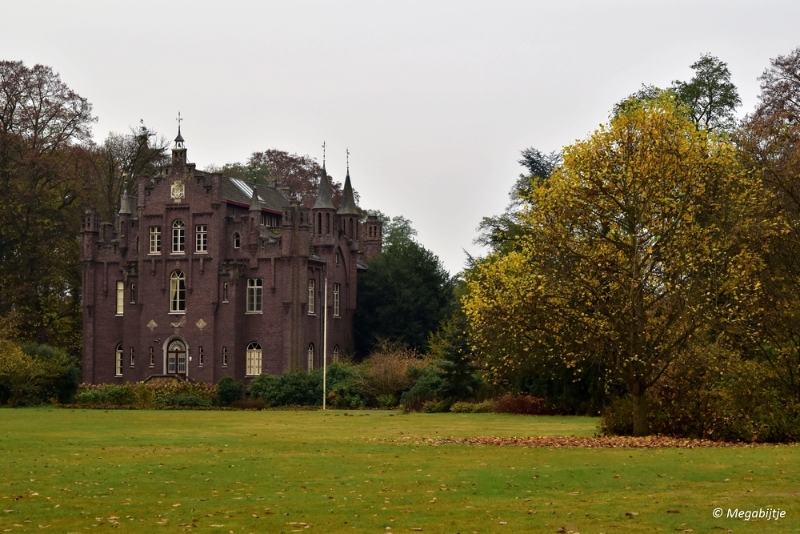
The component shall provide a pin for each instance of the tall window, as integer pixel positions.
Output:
(311, 297)
(177, 292)
(178, 236)
(336, 291)
(120, 296)
(132, 357)
(225, 292)
(201, 238)
(152, 357)
(237, 241)
(254, 295)
(253, 359)
(336, 354)
(200, 356)
(224, 356)
(118, 361)
(155, 240)
(133, 293)
(310, 356)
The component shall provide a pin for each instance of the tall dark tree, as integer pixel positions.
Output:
(118, 161)
(710, 96)
(501, 232)
(42, 124)
(402, 296)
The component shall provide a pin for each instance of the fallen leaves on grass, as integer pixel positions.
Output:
(611, 442)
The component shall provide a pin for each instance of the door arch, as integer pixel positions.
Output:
(176, 357)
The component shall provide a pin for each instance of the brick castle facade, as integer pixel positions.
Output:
(204, 276)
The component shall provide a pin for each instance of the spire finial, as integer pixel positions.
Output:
(348, 161)
(179, 139)
(324, 146)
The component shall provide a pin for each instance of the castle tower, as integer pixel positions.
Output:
(323, 214)
(347, 212)
(372, 240)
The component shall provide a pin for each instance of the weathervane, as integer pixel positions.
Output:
(348, 160)
(324, 144)
(179, 119)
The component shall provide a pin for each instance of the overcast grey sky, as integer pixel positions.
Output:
(434, 99)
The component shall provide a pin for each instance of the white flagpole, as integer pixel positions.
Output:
(325, 344)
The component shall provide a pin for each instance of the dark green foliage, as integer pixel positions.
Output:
(428, 386)
(451, 349)
(181, 400)
(710, 96)
(65, 372)
(109, 394)
(228, 391)
(345, 384)
(403, 296)
(249, 404)
(524, 405)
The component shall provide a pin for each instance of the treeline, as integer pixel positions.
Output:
(650, 272)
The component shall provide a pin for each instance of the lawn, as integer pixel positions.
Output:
(366, 471)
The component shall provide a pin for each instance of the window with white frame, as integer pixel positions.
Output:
(224, 356)
(310, 356)
(336, 291)
(253, 367)
(201, 238)
(336, 354)
(152, 357)
(132, 357)
(200, 356)
(178, 237)
(237, 241)
(118, 361)
(177, 292)
(155, 240)
(225, 292)
(133, 293)
(254, 295)
(120, 296)
(311, 285)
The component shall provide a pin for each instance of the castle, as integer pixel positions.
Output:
(203, 276)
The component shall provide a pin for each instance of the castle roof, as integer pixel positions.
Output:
(239, 191)
(348, 205)
(324, 196)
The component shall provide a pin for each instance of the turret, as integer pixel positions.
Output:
(90, 231)
(124, 222)
(372, 240)
(348, 212)
(323, 214)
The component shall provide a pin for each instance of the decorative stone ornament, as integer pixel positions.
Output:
(178, 190)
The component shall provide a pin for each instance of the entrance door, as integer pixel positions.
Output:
(176, 358)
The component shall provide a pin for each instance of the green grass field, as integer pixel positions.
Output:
(367, 471)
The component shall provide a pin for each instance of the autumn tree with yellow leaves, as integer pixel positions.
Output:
(640, 241)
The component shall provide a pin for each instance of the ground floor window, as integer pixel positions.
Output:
(118, 361)
(310, 356)
(253, 359)
(336, 354)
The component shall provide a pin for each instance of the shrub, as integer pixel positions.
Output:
(486, 406)
(523, 405)
(386, 401)
(617, 418)
(388, 370)
(107, 394)
(228, 391)
(436, 406)
(427, 387)
(249, 404)
(181, 400)
(32, 374)
(462, 407)
(295, 388)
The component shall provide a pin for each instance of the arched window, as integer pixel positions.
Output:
(176, 357)
(237, 241)
(118, 361)
(310, 356)
(328, 224)
(177, 292)
(319, 224)
(253, 359)
(336, 354)
(178, 236)
(351, 228)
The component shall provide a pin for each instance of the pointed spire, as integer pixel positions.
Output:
(348, 205)
(324, 200)
(179, 139)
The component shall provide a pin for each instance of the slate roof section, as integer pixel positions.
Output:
(237, 190)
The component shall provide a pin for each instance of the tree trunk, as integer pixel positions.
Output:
(640, 425)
